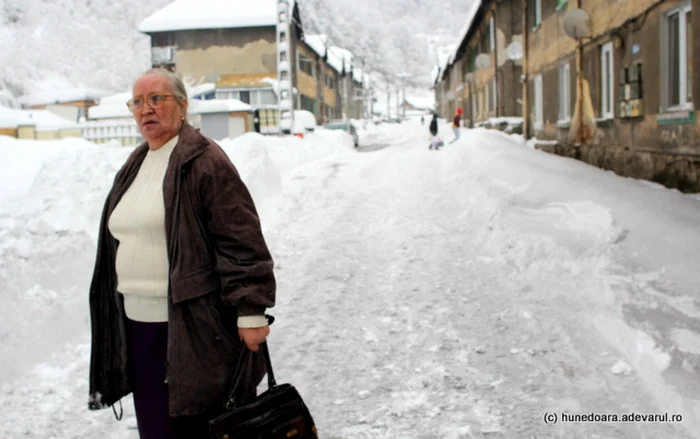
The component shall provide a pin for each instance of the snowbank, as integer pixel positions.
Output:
(51, 200)
(641, 236)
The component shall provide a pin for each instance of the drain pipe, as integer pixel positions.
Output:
(525, 77)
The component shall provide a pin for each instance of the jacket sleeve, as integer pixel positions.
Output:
(242, 258)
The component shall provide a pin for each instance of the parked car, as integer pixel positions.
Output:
(304, 121)
(344, 125)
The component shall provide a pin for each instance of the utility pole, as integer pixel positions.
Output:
(525, 77)
(388, 101)
(398, 105)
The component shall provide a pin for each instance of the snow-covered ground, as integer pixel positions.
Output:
(458, 293)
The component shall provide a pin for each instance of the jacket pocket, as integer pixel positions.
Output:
(195, 284)
(226, 332)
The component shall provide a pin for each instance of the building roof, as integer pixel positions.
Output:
(219, 106)
(42, 120)
(212, 14)
(62, 96)
(114, 106)
(421, 102)
(245, 80)
(451, 57)
(337, 56)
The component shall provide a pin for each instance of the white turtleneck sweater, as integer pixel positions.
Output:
(138, 223)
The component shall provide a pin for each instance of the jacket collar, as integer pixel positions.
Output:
(190, 144)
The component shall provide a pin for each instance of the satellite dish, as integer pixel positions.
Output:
(450, 95)
(515, 51)
(483, 61)
(469, 77)
(576, 24)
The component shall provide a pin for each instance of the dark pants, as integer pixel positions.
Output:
(148, 344)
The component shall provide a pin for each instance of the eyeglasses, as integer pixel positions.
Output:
(154, 101)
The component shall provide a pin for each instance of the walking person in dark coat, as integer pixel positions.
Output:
(433, 127)
(183, 275)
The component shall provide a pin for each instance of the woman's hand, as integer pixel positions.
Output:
(253, 337)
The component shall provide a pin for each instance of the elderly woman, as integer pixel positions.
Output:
(183, 275)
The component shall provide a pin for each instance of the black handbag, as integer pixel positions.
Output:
(279, 412)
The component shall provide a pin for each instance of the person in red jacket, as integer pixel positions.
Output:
(456, 121)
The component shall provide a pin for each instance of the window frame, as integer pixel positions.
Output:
(607, 102)
(539, 102)
(538, 13)
(565, 92)
(684, 103)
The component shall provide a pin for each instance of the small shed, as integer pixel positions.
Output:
(36, 124)
(223, 118)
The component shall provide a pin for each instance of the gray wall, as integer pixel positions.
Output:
(215, 126)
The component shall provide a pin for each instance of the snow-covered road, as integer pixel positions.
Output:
(462, 293)
(422, 305)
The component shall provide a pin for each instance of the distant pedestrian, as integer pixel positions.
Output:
(434, 132)
(422, 120)
(456, 121)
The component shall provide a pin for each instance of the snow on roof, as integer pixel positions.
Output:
(421, 102)
(42, 120)
(62, 96)
(114, 106)
(212, 14)
(110, 111)
(360, 76)
(319, 43)
(473, 10)
(219, 106)
(196, 91)
(116, 99)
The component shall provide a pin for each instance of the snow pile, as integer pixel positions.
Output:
(638, 240)
(51, 201)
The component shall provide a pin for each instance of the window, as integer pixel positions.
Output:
(677, 51)
(162, 39)
(485, 41)
(330, 81)
(539, 105)
(537, 12)
(486, 96)
(245, 97)
(306, 66)
(564, 92)
(606, 82)
(494, 94)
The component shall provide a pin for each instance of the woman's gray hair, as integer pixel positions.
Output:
(177, 86)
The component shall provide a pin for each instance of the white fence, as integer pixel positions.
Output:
(123, 131)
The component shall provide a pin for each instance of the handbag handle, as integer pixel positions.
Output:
(243, 358)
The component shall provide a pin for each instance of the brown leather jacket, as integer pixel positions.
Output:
(220, 268)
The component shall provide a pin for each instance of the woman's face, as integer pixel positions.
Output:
(157, 112)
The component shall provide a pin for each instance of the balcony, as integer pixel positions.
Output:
(162, 55)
